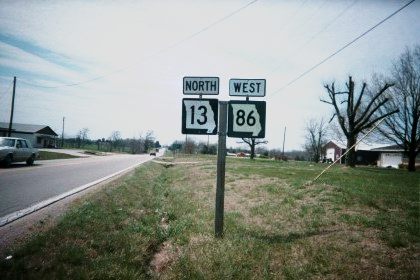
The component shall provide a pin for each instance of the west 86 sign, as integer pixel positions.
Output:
(246, 119)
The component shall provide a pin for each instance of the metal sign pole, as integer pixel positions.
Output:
(221, 163)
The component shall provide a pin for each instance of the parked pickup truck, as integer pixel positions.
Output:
(16, 150)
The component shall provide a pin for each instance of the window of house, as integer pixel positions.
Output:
(38, 140)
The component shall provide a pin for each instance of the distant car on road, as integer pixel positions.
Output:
(15, 150)
(153, 153)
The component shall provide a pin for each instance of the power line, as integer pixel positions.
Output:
(163, 50)
(293, 15)
(342, 48)
(346, 9)
(6, 91)
(315, 35)
(311, 16)
(3, 98)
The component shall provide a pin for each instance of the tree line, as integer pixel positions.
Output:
(136, 145)
(194, 147)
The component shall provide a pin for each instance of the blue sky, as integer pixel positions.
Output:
(145, 48)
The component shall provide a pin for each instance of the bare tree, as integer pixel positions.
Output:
(357, 115)
(115, 139)
(149, 141)
(315, 138)
(82, 136)
(136, 145)
(189, 146)
(252, 142)
(403, 127)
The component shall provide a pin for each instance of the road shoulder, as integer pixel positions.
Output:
(19, 231)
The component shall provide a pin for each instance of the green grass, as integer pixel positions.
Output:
(45, 155)
(94, 148)
(158, 223)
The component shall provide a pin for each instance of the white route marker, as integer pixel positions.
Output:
(248, 121)
(199, 116)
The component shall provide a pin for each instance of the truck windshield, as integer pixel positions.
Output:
(7, 142)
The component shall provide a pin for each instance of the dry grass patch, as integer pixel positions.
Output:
(166, 255)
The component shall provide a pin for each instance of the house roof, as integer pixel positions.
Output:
(28, 128)
(363, 146)
(389, 148)
(377, 147)
(337, 143)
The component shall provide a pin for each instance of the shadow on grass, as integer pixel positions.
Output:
(286, 238)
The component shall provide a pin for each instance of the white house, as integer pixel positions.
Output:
(40, 136)
(382, 155)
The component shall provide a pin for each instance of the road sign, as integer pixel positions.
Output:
(201, 85)
(246, 119)
(247, 87)
(199, 116)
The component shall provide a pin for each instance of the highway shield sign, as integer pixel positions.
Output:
(246, 119)
(199, 116)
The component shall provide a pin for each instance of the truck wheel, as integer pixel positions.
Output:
(30, 160)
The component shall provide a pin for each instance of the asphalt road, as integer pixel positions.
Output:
(22, 186)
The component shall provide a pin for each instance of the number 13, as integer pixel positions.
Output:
(202, 120)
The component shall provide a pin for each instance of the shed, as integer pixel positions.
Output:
(334, 150)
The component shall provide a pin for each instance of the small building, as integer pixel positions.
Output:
(334, 150)
(40, 136)
(382, 155)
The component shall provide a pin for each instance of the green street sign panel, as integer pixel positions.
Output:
(199, 116)
(246, 119)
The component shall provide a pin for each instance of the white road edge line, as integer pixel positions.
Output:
(21, 213)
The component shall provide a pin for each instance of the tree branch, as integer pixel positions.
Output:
(372, 101)
(326, 101)
(377, 119)
(359, 99)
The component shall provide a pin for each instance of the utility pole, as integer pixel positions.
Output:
(13, 107)
(62, 134)
(284, 140)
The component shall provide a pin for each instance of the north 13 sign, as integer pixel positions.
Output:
(199, 116)
(246, 119)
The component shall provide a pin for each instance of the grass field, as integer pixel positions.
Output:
(358, 223)
(45, 155)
